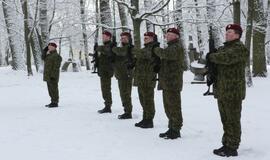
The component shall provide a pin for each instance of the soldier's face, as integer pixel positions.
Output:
(124, 39)
(148, 39)
(51, 48)
(231, 35)
(105, 38)
(171, 36)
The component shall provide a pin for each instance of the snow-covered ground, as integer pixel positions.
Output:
(75, 131)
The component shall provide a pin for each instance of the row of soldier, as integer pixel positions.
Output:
(141, 67)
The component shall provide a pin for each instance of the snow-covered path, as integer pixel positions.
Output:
(75, 131)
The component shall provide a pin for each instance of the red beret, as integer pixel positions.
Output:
(234, 27)
(174, 30)
(52, 44)
(107, 33)
(125, 34)
(150, 34)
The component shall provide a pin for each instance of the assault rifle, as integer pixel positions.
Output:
(130, 60)
(211, 69)
(95, 59)
(156, 62)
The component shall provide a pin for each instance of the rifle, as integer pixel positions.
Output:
(211, 69)
(95, 59)
(112, 54)
(130, 60)
(156, 62)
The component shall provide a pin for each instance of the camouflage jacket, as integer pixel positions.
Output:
(105, 67)
(230, 65)
(172, 66)
(120, 63)
(144, 74)
(52, 63)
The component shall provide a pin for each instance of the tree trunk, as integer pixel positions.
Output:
(248, 40)
(44, 25)
(136, 23)
(236, 12)
(14, 37)
(105, 13)
(259, 61)
(123, 16)
(178, 16)
(268, 33)
(24, 4)
(84, 32)
(148, 4)
(211, 14)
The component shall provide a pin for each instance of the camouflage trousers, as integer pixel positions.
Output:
(172, 106)
(105, 83)
(230, 113)
(125, 87)
(146, 96)
(53, 91)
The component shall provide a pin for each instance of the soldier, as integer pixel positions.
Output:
(171, 81)
(145, 79)
(123, 73)
(105, 70)
(229, 87)
(52, 63)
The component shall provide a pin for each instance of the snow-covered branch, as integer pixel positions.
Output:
(153, 11)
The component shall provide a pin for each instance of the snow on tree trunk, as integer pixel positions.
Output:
(84, 32)
(259, 29)
(248, 41)
(14, 35)
(148, 4)
(105, 13)
(43, 23)
(136, 23)
(123, 15)
(268, 33)
(211, 14)
(24, 4)
(178, 16)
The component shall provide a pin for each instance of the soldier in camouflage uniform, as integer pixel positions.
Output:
(124, 74)
(171, 81)
(52, 63)
(105, 70)
(145, 79)
(229, 87)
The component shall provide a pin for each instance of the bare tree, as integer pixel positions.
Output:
(43, 22)
(259, 32)
(14, 36)
(24, 4)
(248, 40)
(84, 32)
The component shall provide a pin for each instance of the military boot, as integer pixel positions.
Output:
(147, 124)
(139, 124)
(125, 116)
(225, 152)
(53, 105)
(47, 105)
(173, 134)
(106, 109)
(163, 135)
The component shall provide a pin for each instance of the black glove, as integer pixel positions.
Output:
(44, 53)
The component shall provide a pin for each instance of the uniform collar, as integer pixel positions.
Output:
(231, 42)
(173, 42)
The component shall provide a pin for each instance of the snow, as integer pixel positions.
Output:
(75, 131)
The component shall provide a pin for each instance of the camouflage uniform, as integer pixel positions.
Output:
(230, 88)
(105, 72)
(124, 76)
(52, 63)
(144, 79)
(171, 81)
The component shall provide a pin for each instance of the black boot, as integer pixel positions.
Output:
(47, 105)
(53, 105)
(125, 116)
(147, 124)
(163, 135)
(173, 134)
(106, 109)
(139, 124)
(225, 152)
